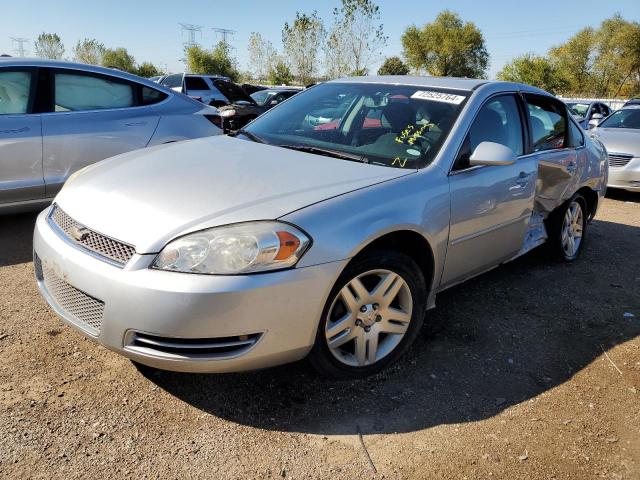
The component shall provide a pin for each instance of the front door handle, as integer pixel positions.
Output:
(135, 124)
(523, 179)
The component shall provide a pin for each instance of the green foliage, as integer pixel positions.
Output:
(280, 73)
(535, 70)
(215, 62)
(49, 45)
(119, 58)
(89, 51)
(604, 61)
(302, 41)
(447, 47)
(355, 38)
(393, 66)
(147, 70)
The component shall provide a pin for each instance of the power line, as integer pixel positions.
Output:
(20, 50)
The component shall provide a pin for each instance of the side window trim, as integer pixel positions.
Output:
(523, 130)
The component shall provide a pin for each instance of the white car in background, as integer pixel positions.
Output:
(58, 117)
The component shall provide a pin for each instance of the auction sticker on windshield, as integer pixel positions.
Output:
(438, 97)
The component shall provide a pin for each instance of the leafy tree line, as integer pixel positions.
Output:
(93, 52)
(599, 62)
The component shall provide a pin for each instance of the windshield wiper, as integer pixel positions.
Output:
(249, 135)
(328, 152)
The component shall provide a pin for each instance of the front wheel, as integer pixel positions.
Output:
(567, 228)
(372, 316)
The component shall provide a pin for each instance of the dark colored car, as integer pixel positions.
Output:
(241, 112)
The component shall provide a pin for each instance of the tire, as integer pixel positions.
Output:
(567, 227)
(370, 331)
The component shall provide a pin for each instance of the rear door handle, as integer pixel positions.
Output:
(135, 124)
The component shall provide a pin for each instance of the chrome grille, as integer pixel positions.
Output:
(117, 252)
(203, 348)
(82, 307)
(619, 159)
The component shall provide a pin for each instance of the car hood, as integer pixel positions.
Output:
(619, 140)
(147, 197)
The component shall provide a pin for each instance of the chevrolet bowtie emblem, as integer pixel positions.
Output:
(79, 234)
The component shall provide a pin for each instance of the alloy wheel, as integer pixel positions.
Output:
(572, 229)
(368, 317)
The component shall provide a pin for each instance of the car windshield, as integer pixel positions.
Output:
(263, 96)
(391, 125)
(579, 109)
(625, 118)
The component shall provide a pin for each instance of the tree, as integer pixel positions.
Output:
(89, 51)
(355, 38)
(447, 47)
(261, 56)
(119, 58)
(393, 66)
(279, 73)
(302, 41)
(215, 62)
(603, 61)
(535, 70)
(147, 70)
(575, 58)
(49, 45)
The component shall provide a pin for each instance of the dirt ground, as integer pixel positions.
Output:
(513, 382)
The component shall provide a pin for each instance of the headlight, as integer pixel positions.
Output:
(227, 113)
(235, 249)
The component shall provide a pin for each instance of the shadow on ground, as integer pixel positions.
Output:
(623, 195)
(16, 233)
(499, 340)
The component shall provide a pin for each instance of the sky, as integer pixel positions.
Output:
(149, 28)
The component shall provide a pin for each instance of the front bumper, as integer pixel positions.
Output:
(273, 315)
(626, 177)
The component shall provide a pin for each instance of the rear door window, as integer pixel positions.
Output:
(149, 96)
(195, 83)
(81, 92)
(548, 121)
(15, 91)
(172, 81)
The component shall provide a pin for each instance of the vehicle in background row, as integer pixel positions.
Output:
(250, 89)
(58, 117)
(288, 240)
(620, 134)
(588, 114)
(238, 114)
(635, 101)
(209, 89)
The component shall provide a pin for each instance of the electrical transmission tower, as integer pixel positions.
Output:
(191, 33)
(20, 50)
(225, 33)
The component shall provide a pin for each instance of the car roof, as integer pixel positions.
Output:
(43, 62)
(454, 83)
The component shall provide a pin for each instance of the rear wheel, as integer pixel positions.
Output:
(567, 228)
(372, 316)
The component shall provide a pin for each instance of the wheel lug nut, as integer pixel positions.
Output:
(378, 318)
(363, 308)
(366, 329)
(376, 306)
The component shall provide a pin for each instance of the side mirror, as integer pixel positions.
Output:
(597, 116)
(273, 102)
(491, 153)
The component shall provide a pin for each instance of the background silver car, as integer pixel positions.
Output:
(330, 240)
(57, 117)
(620, 134)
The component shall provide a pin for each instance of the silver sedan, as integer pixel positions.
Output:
(328, 239)
(57, 117)
(620, 134)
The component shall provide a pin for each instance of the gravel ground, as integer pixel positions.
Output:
(511, 382)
